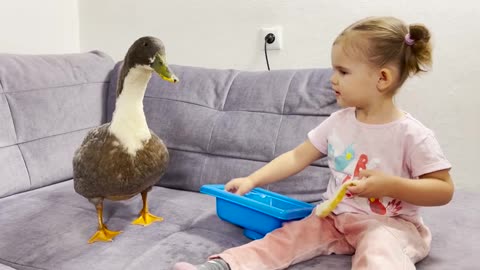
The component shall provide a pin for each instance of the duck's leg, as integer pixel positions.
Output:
(103, 233)
(145, 217)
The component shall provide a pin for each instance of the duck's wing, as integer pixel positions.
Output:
(87, 157)
(96, 135)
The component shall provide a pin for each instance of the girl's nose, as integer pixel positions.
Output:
(333, 79)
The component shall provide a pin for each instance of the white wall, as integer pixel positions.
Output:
(39, 27)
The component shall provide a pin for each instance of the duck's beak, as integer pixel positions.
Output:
(160, 66)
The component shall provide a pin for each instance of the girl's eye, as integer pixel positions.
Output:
(342, 71)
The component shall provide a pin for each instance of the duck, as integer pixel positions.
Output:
(124, 158)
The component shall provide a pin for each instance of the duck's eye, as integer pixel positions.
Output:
(145, 44)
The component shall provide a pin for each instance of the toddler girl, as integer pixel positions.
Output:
(394, 160)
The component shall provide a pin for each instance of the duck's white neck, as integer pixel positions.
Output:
(128, 122)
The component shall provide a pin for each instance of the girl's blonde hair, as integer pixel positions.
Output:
(387, 40)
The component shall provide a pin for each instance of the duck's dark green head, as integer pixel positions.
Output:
(149, 52)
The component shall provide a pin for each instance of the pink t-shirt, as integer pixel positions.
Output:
(403, 148)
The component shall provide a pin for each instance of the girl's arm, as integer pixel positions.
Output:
(287, 164)
(431, 189)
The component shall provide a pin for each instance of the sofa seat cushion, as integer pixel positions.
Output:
(48, 228)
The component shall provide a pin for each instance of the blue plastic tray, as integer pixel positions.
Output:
(259, 212)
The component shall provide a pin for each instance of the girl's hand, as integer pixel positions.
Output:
(374, 184)
(240, 186)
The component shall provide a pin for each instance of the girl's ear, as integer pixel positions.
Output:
(385, 80)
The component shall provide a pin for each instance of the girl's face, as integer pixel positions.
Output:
(353, 79)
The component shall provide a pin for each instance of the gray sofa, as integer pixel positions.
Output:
(217, 124)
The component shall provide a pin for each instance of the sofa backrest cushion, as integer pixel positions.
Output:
(223, 124)
(47, 104)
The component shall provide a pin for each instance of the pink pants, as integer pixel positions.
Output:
(377, 243)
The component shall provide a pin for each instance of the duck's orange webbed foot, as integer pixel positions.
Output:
(145, 217)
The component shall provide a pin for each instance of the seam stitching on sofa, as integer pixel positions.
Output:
(181, 101)
(11, 116)
(59, 134)
(17, 144)
(38, 187)
(227, 156)
(219, 114)
(229, 89)
(16, 91)
(208, 145)
(26, 167)
(248, 111)
(14, 263)
(288, 91)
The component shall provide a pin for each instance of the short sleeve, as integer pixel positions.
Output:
(318, 136)
(427, 157)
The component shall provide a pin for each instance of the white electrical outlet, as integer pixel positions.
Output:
(277, 31)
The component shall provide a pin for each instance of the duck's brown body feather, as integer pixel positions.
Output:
(103, 168)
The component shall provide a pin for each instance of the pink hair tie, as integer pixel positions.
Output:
(408, 40)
